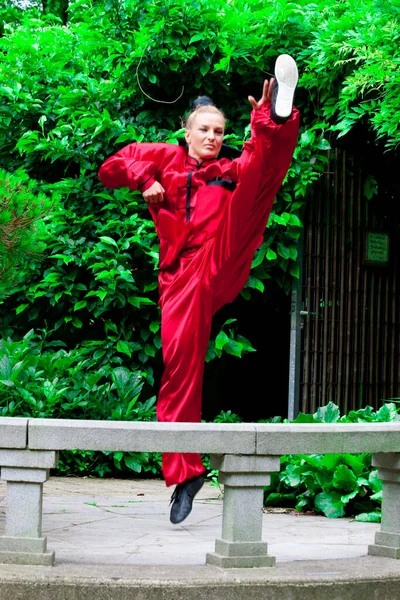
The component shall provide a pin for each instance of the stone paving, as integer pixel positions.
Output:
(126, 522)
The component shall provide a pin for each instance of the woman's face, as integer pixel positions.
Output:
(205, 135)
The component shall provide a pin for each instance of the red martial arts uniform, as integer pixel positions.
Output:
(210, 223)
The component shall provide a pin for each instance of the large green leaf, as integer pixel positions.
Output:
(372, 517)
(374, 481)
(328, 414)
(330, 503)
(344, 479)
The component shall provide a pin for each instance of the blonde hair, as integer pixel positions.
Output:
(208, 108)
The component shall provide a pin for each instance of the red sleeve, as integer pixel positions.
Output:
(136, 166)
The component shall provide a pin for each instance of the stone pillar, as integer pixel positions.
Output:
(387, 540)
(244, 478)
(25, 473)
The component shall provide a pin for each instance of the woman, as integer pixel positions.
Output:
(210, 214)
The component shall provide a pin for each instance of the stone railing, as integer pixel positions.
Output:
(245, 455)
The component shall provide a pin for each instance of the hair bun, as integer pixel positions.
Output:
(202, 101)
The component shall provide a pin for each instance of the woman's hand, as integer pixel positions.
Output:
(266, 95)
(154, 194)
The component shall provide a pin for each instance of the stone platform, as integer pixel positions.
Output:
(113, 540)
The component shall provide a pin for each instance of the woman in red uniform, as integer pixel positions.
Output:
(210, 214)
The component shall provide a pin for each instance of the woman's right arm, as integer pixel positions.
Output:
(137, 166)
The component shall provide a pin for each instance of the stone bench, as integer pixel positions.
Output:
(245, 455)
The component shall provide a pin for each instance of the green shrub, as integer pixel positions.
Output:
(334, 484)
(70, 385)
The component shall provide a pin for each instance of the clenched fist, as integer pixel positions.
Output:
(154, 194)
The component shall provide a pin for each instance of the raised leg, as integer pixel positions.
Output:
(265, 161)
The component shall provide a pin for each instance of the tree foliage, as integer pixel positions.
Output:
(22, 229)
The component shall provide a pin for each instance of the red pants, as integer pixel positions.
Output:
(204, 280)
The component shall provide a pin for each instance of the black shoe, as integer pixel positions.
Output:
(182, 498)
(286, 77)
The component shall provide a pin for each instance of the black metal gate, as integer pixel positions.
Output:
(350, 343)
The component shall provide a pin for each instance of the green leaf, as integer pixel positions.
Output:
(121, 377)
(154, 326)
(347, 497)
(7, 382)
(221, 340)
(273, 499)
(328, 414)
(286, 217)
(386, 413)
(377, 497)
(255, 283)
(307, 138)
(374, 481)
(323, 144)
(331, 461)
(150, 286)
(330, 503)
(124, 348)
(246, 345)
(294, 270)
(77, 322)
(108, 240)
(80, 304)
(283, 251)
(204, 68)
(295, 221)
(229, 322)
(21, 308)
(137, 301)
(150, 350)
(133, 464)
(279, 219)
(344, 479)
(112, 326)
(258, 257)
(271, 255)
(292, 476)
(303, 418)
(372, 517)
(355, 463)
(196, 37)
(234, 348)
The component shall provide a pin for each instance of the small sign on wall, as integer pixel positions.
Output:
(377, 248)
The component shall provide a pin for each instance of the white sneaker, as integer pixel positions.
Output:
(286, 77)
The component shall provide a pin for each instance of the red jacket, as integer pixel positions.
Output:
(195, 194)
